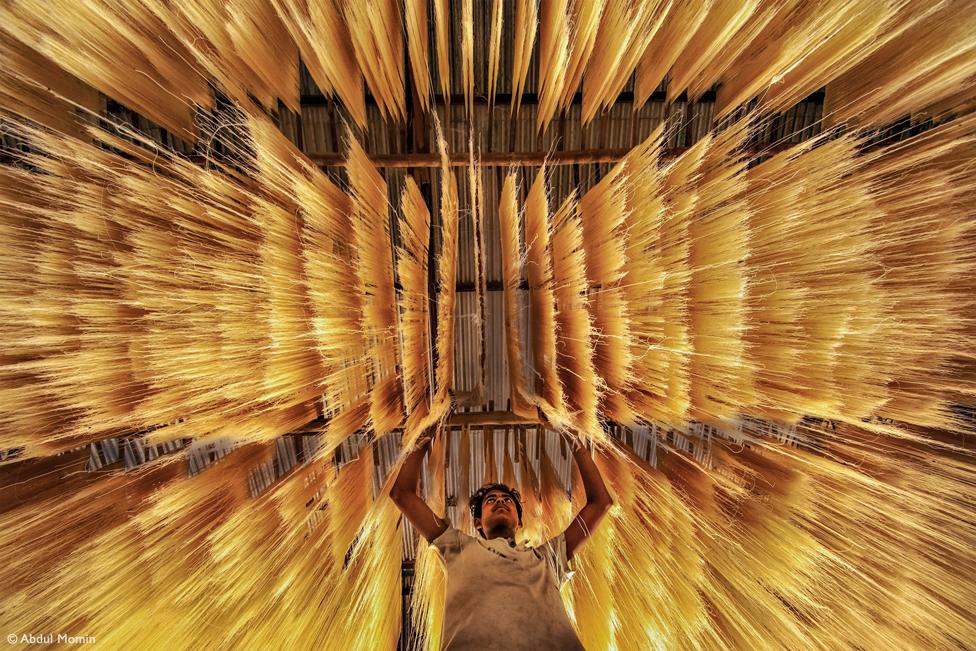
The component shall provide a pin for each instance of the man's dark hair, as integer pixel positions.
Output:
(474, 503)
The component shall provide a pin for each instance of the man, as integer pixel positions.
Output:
(501, 594)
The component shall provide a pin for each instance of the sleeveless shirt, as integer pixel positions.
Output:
(502, 595)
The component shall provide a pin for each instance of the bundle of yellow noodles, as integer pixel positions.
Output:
(371, 230)
(574, 341)
(542, 302)
(602, 214)
(414, 303)
(510, 229)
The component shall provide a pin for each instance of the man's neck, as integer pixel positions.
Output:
(501, 533)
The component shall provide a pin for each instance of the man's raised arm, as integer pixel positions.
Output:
(598, 501)
(404, 494)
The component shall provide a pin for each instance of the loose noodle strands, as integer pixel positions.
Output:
(414, 304)
(574, 342)
(591, 587)
(553, 56)
(294, 367)
(850, 307)
(371, 235)
(293, 370)
(30, 261)
(856, 32)
(510, 230)
(557, 509)
(213, 31)
(296, 17)
(372, 601)
(858, 490)
(586, 16)
(494, 50)
(446, 275)
(467, 55)
(934, 55)
(344, 424)
(926, 251)
(642, 284)
(720, 378)
(762, 32)
(430, 586)
(723, 20)
(428, 596)
(816, 304)
(376, 32)
(800, 321)
(326, 47)
(185, 513)
(603, 211)
(663, 559)
(85, 41)
(204, 512)
(305, 582)
(778, 299)
(526, 26)
(538, 271)
(415, 17)
(442, 38)
(777, 32)
(532, 519)
(351, 494)
(21, 94)
(477, 215)
(266, 47)
(269, 527)
(727, 574)
(682, 196)
(771, 515)
(337, 322)
(57, 601)
(35, 542)
(625, 32)
(242, 426)
(667, 44)
(148, 318)
(334, 50)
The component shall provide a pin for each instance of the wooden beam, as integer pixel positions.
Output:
(531, 159)
(487, 158)
(489, 418)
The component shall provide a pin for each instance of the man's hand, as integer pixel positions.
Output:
(423, 442)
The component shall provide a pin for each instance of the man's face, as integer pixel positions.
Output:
(497, 509)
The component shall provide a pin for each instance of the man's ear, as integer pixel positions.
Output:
(477, 523)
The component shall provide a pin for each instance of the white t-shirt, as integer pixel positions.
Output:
(504, 596)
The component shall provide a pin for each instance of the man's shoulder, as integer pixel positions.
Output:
(453, 540)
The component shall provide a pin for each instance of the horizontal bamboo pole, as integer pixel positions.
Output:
(489, 418)
(486, 159)
(506, 158)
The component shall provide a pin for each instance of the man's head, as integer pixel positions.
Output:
(496, 510)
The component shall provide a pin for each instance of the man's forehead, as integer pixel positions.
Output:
(495, 491)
